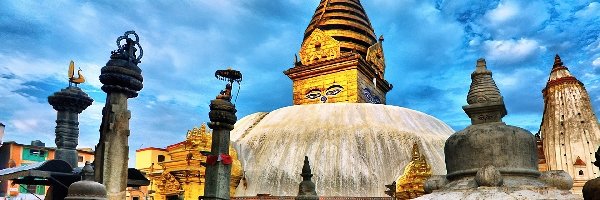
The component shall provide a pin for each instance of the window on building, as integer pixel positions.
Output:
(580, 172)
(37, 152)
(80, 159)
(136, 198)
(40, 189)
(32, 154)
(161, 158)
(34, 189)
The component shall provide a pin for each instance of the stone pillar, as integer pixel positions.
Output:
(122, 79)
(68, 103)
(222, 118)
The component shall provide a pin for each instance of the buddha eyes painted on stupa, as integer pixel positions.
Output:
(313, 94)
(316, 93)
(334, 90)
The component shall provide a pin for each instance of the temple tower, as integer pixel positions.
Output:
(69, 103)
(569, 128)
(122, 79)
(340, 58)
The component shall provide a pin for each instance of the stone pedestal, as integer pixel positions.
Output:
(122, 79)
(68, 103)
(218, 174)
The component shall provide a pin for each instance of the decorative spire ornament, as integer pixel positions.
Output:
(306, 190)
(484, 99)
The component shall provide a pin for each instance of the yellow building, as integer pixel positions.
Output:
(177, 171)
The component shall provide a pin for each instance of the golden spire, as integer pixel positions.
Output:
(80, 79)
(347, 22)
(417, 171)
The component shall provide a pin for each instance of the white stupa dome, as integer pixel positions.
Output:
(354, 148)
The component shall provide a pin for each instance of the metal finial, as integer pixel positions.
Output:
(72, 80)
(128, 49)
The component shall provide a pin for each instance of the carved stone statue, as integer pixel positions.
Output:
(226, 93)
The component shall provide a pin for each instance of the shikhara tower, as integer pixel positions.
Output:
(341, 60)
(569, 129)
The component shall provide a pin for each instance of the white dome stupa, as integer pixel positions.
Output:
(354, 148)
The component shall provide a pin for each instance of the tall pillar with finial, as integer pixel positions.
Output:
(222, 118)
(69, 103)
(122, 79)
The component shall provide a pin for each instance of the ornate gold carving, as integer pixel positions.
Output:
(319, 47)
(375, 56)
(168, 184)
(410, 184)
(184, 170)
(198, 139)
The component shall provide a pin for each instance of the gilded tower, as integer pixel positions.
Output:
(569, 128)
(341, 59)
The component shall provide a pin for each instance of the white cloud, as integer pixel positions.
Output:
(513, 81)
(596, 63)
(590, 11)
(513, 19)
(510, 51)
(503, 13)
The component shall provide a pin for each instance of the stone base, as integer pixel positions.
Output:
(68, 155)
(306, 197)
(523, 192)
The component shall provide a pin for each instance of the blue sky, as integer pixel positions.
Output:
(431, 48)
